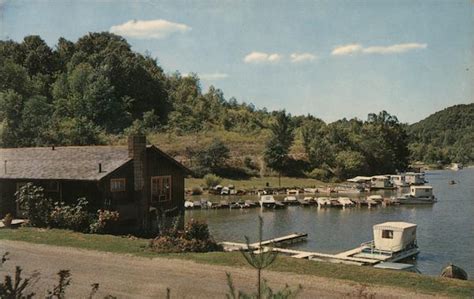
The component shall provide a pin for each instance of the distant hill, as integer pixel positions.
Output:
(445, 136)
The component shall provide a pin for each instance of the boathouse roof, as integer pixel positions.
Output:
(394, 225)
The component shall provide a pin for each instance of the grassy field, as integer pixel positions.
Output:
(138, 247)
(260, 182)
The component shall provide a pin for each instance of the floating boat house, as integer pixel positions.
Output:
(139, 181)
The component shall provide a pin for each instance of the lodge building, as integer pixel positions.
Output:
(140, 181)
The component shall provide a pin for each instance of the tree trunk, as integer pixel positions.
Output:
(279, 179)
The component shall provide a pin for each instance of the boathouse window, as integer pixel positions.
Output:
(387, 234)
(117, 185)
(161, 188)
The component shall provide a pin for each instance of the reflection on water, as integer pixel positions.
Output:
(445, 230)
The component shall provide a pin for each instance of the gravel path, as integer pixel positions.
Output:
(127, 276)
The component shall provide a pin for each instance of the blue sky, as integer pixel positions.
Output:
(332, 59)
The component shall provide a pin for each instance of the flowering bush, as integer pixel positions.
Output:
(194, 238)
(104, 221)
(36, 206)
(73, 217)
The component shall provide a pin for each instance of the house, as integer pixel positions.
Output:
(140, 181)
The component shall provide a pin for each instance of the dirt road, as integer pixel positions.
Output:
(126, 276)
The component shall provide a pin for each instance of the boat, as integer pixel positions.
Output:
(415, 178)
(223, 204)
(197, 204)
(393, 241)
(310, 190)
(267, 201)
(452, 271)
(456, 166)
(250, 204)
(399, 181)
(310, 200)
(323, 202)
(417, 195)
(304, 203)
(374, 200)
(345, 202)
(293, 192)
(335, 203)
(290, 200)
(188, 204)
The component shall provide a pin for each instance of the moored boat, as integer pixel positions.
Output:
(417, 195)
(290, 200)
(267, 201)
(323, 202)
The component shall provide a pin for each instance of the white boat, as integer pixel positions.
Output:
(393, 241)
(399, 180)
(290, 200)
(267, 201)
(323, 202)
(310, 190)
(345, 201)
(292, 192)
(188, 204)
(374, 200)
(415, 178)
(456, 166)
(418, 195)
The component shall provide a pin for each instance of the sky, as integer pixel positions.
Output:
(331, 59)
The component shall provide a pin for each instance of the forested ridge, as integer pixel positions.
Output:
(97, 91)
(445, 136)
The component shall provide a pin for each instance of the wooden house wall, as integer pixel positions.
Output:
(157, 165)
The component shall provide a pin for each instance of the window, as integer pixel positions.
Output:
(161, 188)
(387, 234)
(117, 185)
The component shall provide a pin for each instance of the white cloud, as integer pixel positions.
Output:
(261, 57)
(302, 57)
(392, 49)
(346, 49)
(156, 29)
(398, 48)
(213, 76)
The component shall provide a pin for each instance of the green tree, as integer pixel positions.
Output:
(214, 156)
(278, 146)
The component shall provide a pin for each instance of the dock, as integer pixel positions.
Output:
(274, 244)
(284, 240)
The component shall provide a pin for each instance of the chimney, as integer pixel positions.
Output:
(100, 167)
(137, 152)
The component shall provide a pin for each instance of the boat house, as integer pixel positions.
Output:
(140, 181)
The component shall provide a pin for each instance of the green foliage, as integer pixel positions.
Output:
(42, 212)
(211, 180)
(266, 292)
(36, 206)
(104, 221)
(445, 136)
(59, 290)
(278, 147)
(74, 217)
(214, 156)
(194, 238)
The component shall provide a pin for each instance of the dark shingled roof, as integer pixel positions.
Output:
(66, 163)
(62, 163)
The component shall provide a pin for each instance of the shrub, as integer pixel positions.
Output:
(71, 217)
(38, 208)
(194, 238)
(104, 221)
(318, 174)
(211, 180)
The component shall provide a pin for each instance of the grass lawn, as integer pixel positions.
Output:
(355, 274)
(260, 183)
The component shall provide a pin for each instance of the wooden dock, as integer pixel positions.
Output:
(346, 257)
(285, 240)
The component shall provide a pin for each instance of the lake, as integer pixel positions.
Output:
(445, 230)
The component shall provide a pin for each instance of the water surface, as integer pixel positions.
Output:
(445, 230)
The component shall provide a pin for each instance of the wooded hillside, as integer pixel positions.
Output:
(97, 91)
(445, 136)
